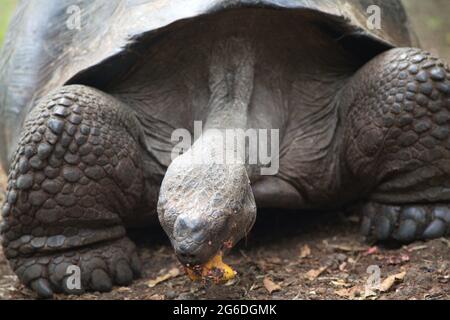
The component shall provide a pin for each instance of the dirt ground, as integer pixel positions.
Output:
(287, 256)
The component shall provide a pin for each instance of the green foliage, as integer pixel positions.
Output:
(6, 10)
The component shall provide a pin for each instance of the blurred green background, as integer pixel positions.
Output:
(6, 10)
(430, 19)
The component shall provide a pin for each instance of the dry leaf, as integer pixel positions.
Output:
(173, 273)
(312, 274)
(271, 286)
(340, 283)
(417, 248)
(387, 283)
(274, 260)
(446, 241)
(346, 248)
(371, 250)
(305, 251)
(395, 260)
(349, 293)
(344, 293)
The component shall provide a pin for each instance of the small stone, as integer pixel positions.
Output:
(171, 294)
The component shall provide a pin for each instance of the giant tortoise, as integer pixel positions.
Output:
(93, 91)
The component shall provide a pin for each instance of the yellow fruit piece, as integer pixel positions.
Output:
(215, 270)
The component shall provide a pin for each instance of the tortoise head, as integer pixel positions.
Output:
(205, 208)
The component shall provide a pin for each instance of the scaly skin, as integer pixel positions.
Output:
(397, 143)
(74, 177)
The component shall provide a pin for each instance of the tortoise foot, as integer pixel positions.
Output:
(96, 268)
(405, 223)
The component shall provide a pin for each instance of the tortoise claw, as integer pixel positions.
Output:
(42, 288)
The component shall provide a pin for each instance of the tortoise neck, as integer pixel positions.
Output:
(231, 77)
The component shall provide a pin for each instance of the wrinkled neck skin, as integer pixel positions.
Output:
(231, 85)
(206, 194)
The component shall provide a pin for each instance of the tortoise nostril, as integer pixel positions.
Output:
(185, 224)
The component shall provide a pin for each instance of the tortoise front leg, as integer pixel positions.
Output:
(396, 113)
(76, 173)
